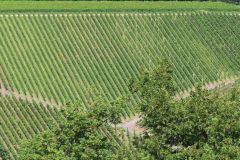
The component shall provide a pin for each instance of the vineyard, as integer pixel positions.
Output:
(20, 120)
(49, 59)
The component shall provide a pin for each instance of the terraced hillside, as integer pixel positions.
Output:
(48, 59)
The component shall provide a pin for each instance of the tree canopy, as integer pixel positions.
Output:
(76, 135)
(79, 134)
(202, 126)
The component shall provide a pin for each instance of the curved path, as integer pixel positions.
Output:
(131, 124)
(128, 124)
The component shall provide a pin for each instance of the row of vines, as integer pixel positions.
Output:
(21, 120)
(63, 58)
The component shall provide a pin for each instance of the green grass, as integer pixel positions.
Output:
(113, 6)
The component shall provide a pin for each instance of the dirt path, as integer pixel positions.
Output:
(209, 86)
(128, 124)
(131, 124)
(31, 99)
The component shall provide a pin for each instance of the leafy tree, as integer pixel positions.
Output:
(41, 147)
(209, 127)
(3, 153)
(78, 135)
(202, 126)
(156, 90)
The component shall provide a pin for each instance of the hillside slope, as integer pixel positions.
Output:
(60, 56)
(53, 58)
(21, 120)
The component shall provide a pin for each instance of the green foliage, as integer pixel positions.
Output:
(62, 54)
(155, 89)
(202, 126)
(131, 153)
(76, 135)
(206, 126)
(41, 147)
(3, 153)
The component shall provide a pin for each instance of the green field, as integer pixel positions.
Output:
(114, 6)
(48, 59)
